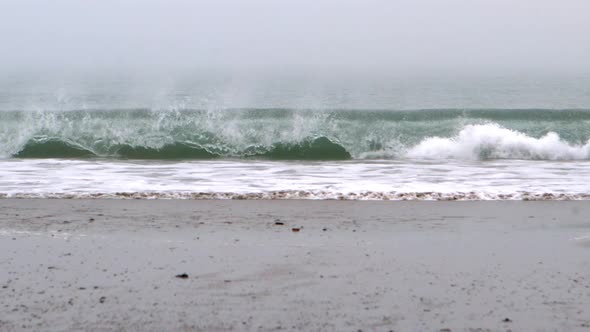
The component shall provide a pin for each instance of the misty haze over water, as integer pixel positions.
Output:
(265, 34)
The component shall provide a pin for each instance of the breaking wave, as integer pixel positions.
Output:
(491, 141)
(285, 134)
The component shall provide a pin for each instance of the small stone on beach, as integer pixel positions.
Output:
(295, 230)
(182, 276)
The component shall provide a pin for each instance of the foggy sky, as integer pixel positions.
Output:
(283, 33)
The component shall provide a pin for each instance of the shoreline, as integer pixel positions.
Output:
(310, 195)
(314, 265)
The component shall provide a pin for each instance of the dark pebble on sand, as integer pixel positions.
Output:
(91, 219)
(279, 223)
(102, 299)
(507, 320)
(295, 230)
(182, 276)
(324, 229)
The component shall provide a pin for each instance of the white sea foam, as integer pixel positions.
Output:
(311, 195)
(491, 141)
(351, 180)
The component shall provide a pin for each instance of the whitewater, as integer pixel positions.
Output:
(296, 154)
(297, 138)
(287, 134)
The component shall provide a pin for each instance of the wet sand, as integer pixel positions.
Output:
(102, 265)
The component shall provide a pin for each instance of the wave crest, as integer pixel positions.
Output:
(284, 134)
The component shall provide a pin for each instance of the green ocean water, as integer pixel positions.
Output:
(295, 115)
(306, 135)
(291, 134)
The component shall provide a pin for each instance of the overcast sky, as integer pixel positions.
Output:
(283, 33)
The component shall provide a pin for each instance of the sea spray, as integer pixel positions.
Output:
(491, 141)
(292, 134)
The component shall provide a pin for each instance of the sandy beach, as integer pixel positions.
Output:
(174, 265)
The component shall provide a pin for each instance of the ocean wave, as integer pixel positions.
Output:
(313, 149)
(52, 148)
(283, 134)
(491, 141)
